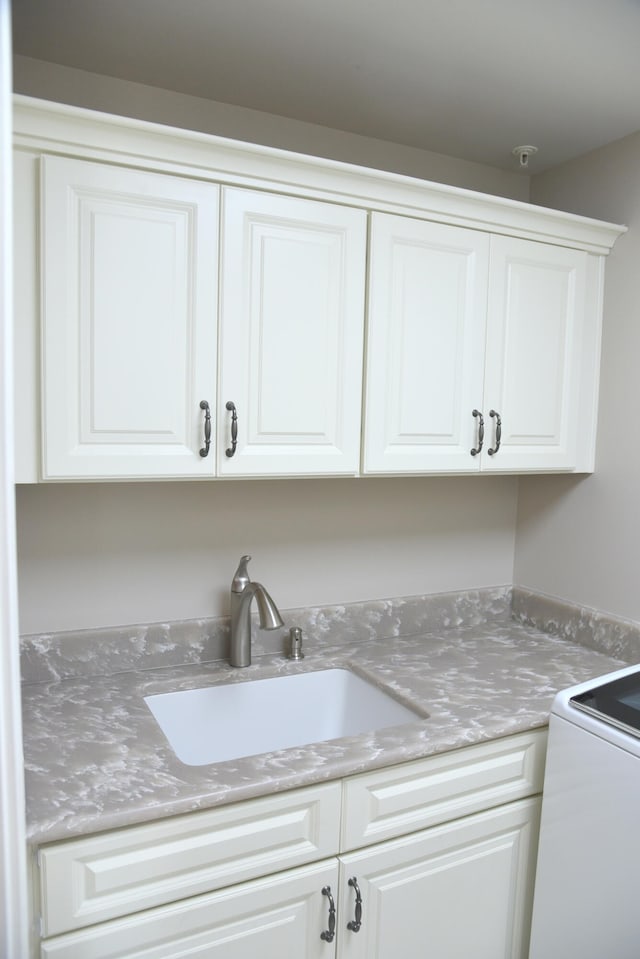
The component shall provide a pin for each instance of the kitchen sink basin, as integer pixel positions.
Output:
(228, 721)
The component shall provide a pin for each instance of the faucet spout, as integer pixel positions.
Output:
(243, 591)
(268, 612)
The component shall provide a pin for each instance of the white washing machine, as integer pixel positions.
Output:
(587, 900)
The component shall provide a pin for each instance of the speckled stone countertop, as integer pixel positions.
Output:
(95, 758)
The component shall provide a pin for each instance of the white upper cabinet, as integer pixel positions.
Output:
(128, 321)
(177, 293)
(425, 348)
(537, 334)
(482, 352)
(291, 335)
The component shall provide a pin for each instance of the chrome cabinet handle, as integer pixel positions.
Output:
(234, 428)
(207, 428)
(355, 923)
(477, 449)
(328, 934)
(498, 419)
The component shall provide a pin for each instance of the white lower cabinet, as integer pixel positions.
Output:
(276, 876)
(269, 918)
(458, 890)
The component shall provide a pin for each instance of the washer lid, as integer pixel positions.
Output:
(616, 701)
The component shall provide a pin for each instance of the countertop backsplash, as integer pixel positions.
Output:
(102, 652)
(578, 624)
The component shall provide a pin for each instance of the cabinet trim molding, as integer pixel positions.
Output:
(57, 128)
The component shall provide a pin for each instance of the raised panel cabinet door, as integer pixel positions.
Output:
(535, 347)
(425, 346)
(129, 321)
(453, 891)
(280, 916)
(291, 336)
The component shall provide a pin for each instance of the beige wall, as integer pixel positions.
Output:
(79, 88)
(579, 539)
(107, 554)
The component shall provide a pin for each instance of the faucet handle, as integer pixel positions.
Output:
(241, 578)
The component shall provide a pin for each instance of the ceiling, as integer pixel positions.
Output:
(468, 78)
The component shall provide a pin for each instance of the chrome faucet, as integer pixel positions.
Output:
(242, 592)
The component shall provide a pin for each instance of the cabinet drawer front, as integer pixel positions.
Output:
(85, 881)
(392, 802)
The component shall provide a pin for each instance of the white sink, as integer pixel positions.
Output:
(219, 723)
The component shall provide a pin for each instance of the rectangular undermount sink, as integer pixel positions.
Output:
(228, 721)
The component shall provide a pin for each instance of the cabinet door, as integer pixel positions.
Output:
(282, 916)
(129, 321)
(425, 345)
(535, 350)
(291, 335)
(458, 890)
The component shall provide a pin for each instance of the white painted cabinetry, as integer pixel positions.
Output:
(540, 333)
(270, 918)
(130, 328)
(122, 331)
(482, 352)
(291, 335)
(440, 851)
(425, 348)
(129, 307)
(457, 890)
